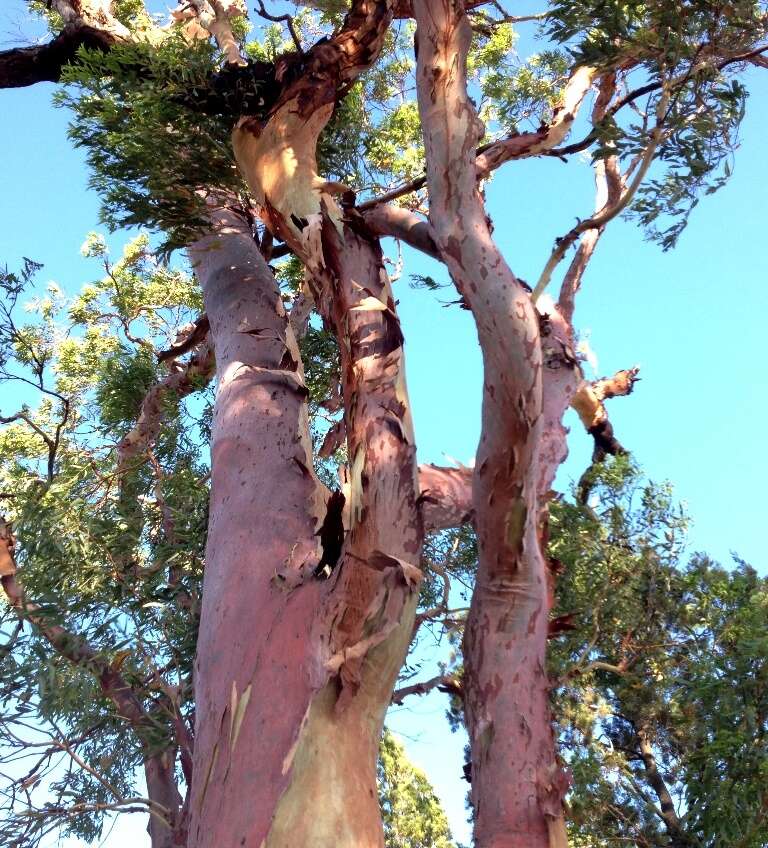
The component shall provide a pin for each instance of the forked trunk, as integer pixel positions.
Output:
(294, 672)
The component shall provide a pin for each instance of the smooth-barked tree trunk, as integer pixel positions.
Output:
(294, 673)
(517, 784)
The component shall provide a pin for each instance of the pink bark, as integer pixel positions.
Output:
(294, 673)
(446, 496)
(255, 637)
(517, 785)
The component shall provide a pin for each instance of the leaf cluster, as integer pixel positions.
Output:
(152, 157)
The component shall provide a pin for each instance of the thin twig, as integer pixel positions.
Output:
(286, 19)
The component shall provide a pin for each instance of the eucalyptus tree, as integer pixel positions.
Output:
(243, 151)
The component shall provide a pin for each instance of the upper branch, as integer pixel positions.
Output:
(87, 23)
(182, 381)
(550, 135)
(23, 66)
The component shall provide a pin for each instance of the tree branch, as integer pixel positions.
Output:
(215, 17)
(187, 338)
(87, 23)
(446, 496)
(589, 406)
(490, 156)
(23, 66)
(448, 683)
(113, 685)
(659, 786)
(181, 382)
(400, 223)
(286, 19)
(610, 210)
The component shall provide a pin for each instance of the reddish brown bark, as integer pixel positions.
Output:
(446, 496)
(517, 785)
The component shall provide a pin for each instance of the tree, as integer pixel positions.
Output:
(413, 817)
(662, 701)
(311, 593)
(659, 673)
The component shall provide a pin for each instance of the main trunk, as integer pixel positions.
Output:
(294, 673)
(517, 785)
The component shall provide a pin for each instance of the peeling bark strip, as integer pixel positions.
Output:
(517, 785)
(382, 489)
(167, 825)
(588, 403)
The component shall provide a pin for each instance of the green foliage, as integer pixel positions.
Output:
(119, 564)
(412, 815)
(152, 156)
(696, 158)
(672, 654)
(668, 45)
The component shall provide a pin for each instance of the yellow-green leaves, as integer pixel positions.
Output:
(411, 811)
(395, 146)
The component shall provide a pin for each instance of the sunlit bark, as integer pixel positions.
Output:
(517, 785)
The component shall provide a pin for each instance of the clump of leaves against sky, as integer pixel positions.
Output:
(412, 814)
(666, 652)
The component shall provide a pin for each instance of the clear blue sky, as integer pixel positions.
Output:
(691, 318)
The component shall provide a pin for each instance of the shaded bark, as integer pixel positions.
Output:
(517, 785)
(23, 66)
(87, 23)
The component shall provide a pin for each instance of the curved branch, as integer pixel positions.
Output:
(23, 66)
(549, 136)
(187, 338)
(610, 210)
(447, 683)
(181, 382)
(87, 23)
(400, 223)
